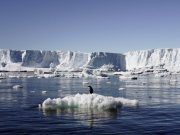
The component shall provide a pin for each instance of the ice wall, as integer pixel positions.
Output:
(166, 58)
(4, 57)
(78, 61)
(39, 59)
(72, 61)
(98, 59)
(15, 60)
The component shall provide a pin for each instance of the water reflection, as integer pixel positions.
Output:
(87, 117)
(10, 97)
(150, 90)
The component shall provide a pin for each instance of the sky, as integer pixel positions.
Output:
(89, 25)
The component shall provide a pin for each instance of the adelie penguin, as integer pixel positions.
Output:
(90, 90)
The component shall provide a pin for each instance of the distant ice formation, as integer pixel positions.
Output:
(14, 60)
(148, 60)
(156, 58)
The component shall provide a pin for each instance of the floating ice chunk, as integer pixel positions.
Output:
(89, 101)
(17, 87)
(108, 82)
(173, 82)
(44, 92)
(2, 77)
(40, 106)
(128, 77)
(30, 76)
(85, 82)
(12, 76)
(101, 77)
(121, 88)
(123, 73)
(127, 102)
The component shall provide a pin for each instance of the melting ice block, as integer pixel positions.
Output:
(17, 86)
(89, 101)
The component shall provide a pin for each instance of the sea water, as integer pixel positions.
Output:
(158, 110)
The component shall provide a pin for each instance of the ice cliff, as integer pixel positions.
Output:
(18, 60)
(15, 60)
(165, 58)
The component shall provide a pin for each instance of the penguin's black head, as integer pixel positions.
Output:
(90, 90)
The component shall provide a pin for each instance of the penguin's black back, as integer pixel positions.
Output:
(90, 90)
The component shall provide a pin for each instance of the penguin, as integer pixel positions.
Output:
(90, 90)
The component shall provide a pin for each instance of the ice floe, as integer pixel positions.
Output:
(17, 87)
(93, 101)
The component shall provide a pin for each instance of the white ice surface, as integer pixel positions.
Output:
(89, 101)
(19, 60)
(17, 86)
(168, 58)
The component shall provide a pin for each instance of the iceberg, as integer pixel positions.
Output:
(87, 101)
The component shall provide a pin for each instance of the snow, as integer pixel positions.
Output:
(93, 101)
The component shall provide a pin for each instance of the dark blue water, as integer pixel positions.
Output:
(158, 111)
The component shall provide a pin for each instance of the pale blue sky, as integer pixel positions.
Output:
(89, 25)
